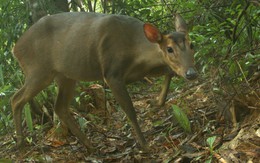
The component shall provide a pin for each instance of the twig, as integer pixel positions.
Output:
(161, 18)
(206, 151)
(220, 159)
(246, 80)
(255, 2)
(238, 54)
(164, 1)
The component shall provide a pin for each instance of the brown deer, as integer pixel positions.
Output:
(69, 47)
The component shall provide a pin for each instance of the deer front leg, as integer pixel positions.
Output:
(122, 97)
(165, 88)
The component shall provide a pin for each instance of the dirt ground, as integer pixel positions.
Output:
(224, 122)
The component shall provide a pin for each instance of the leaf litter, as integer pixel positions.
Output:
(217, 135)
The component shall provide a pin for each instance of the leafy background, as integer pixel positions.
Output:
(225, 33)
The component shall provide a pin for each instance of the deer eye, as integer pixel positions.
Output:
(169, 50)
(191, 46)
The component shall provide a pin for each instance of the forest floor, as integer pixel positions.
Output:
(225, 127)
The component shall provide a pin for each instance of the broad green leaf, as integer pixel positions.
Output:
(211, 141)
(28, 118)
(181, 118)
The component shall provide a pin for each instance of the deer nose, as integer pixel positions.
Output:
(191, 74)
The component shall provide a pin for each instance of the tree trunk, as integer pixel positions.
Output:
(38, 10)
(61, 6)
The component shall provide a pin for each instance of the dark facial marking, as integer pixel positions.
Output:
(178, 38)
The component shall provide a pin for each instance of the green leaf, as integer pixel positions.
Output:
(211, 141)
(209, 160)
(233, 69)
(1, 75)
(28, 118)
(157, 123)
(6, 160)
(181, 118)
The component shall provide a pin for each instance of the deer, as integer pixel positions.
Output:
(80, 46)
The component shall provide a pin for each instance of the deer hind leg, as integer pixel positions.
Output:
(65, 94)
(32, 86)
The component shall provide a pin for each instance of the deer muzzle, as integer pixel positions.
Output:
(191, 74)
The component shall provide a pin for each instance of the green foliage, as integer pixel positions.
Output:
(229, 33)
(210, 142)
(83, 123)
(28, 118)
(12, 23)
(5, 116)
(181, 118)
(6, 160)
(1, 76)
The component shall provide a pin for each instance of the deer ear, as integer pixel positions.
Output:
(152, 33)
(180, 24)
